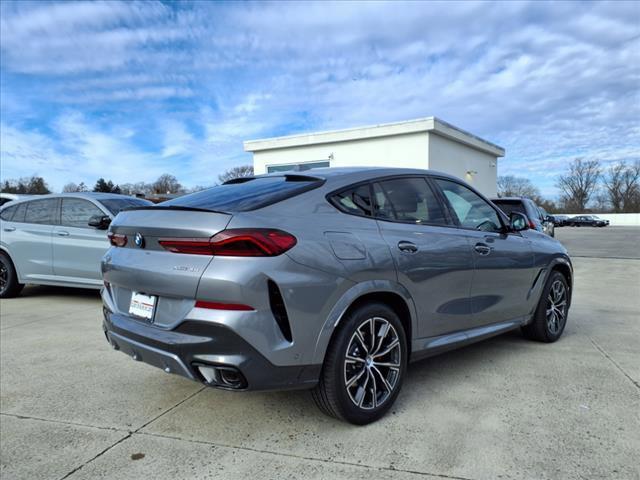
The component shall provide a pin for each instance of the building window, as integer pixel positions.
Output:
(297, 167)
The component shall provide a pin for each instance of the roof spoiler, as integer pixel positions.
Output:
(289, 177)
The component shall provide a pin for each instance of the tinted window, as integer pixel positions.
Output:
(247, 195)
(115, 205)
(409, 200)
(472, 210)
(382, 205)
(21, 210)
(42, 211)
(7, 213)
(356, 201)
(77, 212)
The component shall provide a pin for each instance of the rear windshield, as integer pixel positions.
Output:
(247, 194)
(509, 206)
(115, 205)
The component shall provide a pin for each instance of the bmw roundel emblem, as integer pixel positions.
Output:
(139, 240)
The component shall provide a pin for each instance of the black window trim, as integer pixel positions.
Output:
(448, 217)
(501, 215)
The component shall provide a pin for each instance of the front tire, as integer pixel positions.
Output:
(550, 317)
(9, 285)
(364, 366)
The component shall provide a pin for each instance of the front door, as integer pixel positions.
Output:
(504, 263)
(433, 260)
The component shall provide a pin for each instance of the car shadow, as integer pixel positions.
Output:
(32, 291)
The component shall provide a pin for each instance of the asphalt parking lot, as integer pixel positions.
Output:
(70, 407)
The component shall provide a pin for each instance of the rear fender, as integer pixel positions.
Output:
(348, 298)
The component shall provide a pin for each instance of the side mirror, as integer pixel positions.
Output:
(549, 218)
(101, 222)
(518, 221)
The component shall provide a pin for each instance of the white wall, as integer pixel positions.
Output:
(408, 151)
(456, 159)
(615, 219)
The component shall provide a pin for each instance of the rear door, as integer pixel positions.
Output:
(433, 260)
(77, 247)
(504, 263)
(29, 239)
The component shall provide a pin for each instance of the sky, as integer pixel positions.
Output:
(131, 90)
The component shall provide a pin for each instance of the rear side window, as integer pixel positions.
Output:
(356, 201)
(42, 211)
(473, 211)
(246, 194)
(77, 212)
(409, 200)
(7, 213)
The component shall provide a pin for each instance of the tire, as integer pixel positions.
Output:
(9, 286)
(549, 322)
(365, 400)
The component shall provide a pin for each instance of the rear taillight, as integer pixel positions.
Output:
(238, 242)
(532, 225)
(117, 239)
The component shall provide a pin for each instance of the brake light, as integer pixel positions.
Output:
(117, 239)
(238, 242)
(223, 306)
(532, 225)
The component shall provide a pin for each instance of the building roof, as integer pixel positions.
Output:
(429, 124)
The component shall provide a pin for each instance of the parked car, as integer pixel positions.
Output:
(548, 223)
(331, 279)
(588, 221)
(56, 239)
(561, 220)
(538, 218)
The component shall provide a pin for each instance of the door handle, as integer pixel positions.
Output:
(10, 229)
(482, 249)
(62, 233)
(409, 247)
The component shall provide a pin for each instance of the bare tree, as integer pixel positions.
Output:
(72, 187)
(631, 188)
(622, 185)
(167, 183)
(578, 184)
(236, 172)
(512, 186)
(136, 188)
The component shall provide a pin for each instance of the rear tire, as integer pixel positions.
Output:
(9, 285)
(363, 371)
(550, 317)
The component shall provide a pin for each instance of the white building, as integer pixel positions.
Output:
(423, 143)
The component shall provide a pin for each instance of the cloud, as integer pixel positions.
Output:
(190, 81)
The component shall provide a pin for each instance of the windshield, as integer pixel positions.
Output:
(246, 194)
(116, 205)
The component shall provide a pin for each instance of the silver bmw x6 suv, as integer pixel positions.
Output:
(332, 279)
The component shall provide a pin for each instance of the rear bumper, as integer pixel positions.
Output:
(194, 344)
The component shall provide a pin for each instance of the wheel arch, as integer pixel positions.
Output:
(383, 291)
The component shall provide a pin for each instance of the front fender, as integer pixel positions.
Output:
(538, 287)
(358, 290)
